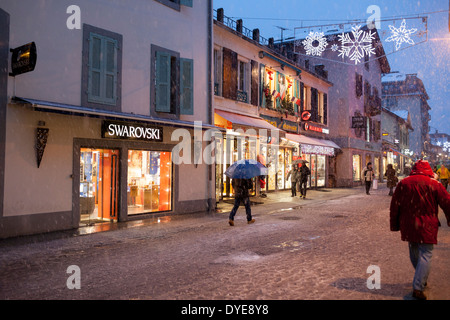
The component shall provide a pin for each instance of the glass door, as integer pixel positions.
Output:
(99, 185)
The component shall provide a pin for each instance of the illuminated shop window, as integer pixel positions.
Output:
(149, 181)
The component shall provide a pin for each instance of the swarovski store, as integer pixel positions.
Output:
(147, 169)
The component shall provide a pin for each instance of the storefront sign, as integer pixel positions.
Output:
(358, 122)
(23, 59)
(310, 127)
(310, 149)
(133, 131)
(289, 126)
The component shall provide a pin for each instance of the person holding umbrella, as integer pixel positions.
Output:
(242, 172)
(304, 173)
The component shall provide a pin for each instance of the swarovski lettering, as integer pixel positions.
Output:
(129, 131)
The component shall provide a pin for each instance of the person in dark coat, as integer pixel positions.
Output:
(304, 173)
(414, 212)
(391, 179)
(241, 193)
(294, 175)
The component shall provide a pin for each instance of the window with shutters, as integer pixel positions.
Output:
(101, 73)
(173, 84)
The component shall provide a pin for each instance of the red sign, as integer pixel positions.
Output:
(306, 115)
(311, 127)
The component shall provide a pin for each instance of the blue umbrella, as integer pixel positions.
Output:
(246, 169)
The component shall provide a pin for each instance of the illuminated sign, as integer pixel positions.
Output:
(23, 59)
(310, 127)
(133, 131)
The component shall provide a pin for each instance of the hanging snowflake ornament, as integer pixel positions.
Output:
(334, 47)
(400, 35)
(315, 43)
(358, 47)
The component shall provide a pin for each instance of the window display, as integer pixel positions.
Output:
(356, 167)
(149, 181)
(321, 171)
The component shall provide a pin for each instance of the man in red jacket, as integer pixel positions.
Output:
(414, 211)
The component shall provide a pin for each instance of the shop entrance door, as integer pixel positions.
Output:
(99, 185)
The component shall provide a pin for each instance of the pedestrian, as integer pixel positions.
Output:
(293, 174)
(367, 176)
(241, 193)
(304, 173)
(391, 179)
(444, 175)
(414, 212)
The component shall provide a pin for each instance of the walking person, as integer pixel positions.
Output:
(367, 176)
(304, 173)
(414, 212)
(444, 175)
(391, 179)
(293, 174)
(241, 193)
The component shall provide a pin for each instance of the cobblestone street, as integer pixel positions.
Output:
(314, 249)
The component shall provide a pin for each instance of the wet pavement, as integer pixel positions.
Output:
(320, 248)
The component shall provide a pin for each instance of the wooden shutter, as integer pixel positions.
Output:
(314, 105)
(302, 97)
(230, 67)
(103, 70)
(162, 82)
(187, 86)
(325, 108)
(262, 94)
(254, 83)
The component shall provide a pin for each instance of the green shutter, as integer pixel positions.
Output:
(162, 82)
(187, 3)
(187, 86)
(102, 80)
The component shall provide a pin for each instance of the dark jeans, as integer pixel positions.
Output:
(303, 185)
(237, 202)
(294, 188)
(368, 185)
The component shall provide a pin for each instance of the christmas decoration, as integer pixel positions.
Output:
(315, 43)
(400, 35)
(358, 47)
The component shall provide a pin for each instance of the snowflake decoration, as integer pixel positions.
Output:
(401, 35)
(358, 47)
(334, 47)
(311, 39)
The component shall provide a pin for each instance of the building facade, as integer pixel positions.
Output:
(260, 94)
(354, 103)
(90, 134)
(407, 93)
(395, 139)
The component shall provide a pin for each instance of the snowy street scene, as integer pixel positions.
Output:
(224, 158)
(321, 247)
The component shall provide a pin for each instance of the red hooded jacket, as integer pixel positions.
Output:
(414, 206)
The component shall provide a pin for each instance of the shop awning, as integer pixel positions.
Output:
(238, 120)
(314, 145)
(54, 107)
(302, 139)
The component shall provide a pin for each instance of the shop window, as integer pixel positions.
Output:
(149, 181)
(356, 167)
(321, 165)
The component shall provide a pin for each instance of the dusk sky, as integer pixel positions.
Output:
(428, 59)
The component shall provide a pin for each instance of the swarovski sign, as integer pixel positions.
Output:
(134, 131)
